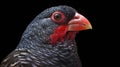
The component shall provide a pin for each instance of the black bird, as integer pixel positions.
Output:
(49, 40)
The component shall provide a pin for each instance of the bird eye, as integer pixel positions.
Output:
(58, 17)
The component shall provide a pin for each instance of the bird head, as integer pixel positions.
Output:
(57, 24)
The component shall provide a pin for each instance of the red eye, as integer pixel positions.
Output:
(58, 17)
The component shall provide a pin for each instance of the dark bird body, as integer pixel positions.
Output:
(49, 40)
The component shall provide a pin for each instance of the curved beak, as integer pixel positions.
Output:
(78, 23)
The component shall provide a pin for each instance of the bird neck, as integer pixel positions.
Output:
(62, 53)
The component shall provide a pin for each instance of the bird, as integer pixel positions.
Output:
(49, 40)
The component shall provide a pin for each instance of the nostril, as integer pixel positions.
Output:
(77, 16)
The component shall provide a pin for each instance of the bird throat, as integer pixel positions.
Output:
(61, 34)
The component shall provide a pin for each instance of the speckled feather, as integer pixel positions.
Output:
(35, 50)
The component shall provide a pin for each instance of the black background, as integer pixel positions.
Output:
(92, 46)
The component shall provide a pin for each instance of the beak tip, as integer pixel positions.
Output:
(89, 27)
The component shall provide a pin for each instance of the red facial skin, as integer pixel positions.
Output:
(68, 31)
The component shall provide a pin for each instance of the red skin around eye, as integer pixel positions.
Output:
(58, 21)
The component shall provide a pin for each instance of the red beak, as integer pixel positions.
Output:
(79, 23)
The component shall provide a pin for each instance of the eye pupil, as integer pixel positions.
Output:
(57, 16)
